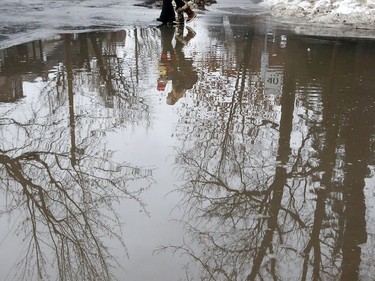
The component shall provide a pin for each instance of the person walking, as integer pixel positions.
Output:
(168, 14)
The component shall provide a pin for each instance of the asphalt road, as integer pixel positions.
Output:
(25, 20)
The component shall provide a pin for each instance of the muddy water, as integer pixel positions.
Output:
(216, 152)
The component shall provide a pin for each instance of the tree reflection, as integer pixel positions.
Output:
(67, 209)
(57, 174)
(282, 201)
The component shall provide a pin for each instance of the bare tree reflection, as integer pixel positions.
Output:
(58, 176)
(261, 205)
(67, 209)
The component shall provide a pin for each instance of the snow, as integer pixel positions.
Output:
(343, 13)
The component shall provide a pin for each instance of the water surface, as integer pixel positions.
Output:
(212, 152)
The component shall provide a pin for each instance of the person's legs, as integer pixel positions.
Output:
(190, 13)
(182, 7)
(167, 12)
(179, 3)
(180, 14)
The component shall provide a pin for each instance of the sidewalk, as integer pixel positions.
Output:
(26, 20)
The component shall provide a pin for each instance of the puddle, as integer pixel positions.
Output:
(214, 151)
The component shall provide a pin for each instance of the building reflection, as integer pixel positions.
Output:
(19, 63)
(275, 180)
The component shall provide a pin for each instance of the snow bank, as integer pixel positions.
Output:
(354, 13)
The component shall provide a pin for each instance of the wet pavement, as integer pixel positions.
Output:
(25, 20)
(228, 149)
(22, 21)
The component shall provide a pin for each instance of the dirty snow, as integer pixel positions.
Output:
(348, 13)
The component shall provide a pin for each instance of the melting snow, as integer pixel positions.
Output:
(347, 13)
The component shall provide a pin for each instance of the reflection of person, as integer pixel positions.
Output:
(165, 67)
(174, 66)
(168, 14)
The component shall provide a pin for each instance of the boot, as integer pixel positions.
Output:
(190, 13)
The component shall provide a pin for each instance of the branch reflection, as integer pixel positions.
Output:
(57, 175)
(280, 198)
